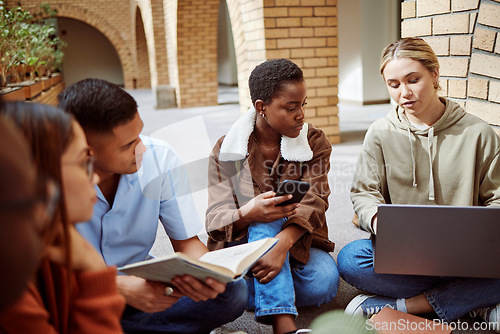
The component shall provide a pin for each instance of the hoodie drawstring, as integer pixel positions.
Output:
(430, 140)
(412, 158)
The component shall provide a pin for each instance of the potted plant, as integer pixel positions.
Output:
(29, 49)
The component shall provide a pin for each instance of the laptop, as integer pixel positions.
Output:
(438, 241)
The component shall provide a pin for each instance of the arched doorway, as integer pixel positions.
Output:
(89, 54)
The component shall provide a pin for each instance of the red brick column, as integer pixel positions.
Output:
(197, 53)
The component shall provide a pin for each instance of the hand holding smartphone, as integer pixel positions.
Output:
(297, 188)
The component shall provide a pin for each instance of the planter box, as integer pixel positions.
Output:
(32, 89)
(28, 90)
(56, 78)
(14, 94)
(47, 82)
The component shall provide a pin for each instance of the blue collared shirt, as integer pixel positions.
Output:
(160, 189)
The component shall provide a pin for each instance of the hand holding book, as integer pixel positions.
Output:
(224, 265)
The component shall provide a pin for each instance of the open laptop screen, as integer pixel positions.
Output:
(438, 241)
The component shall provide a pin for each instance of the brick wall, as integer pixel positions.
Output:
(143, 79)
(197, 53)
(302, 31)
(118, 28)
(153, 22)
(159, 51)
(465, 34)
(179, 41)
(170, 19)
(306, 33)
(247, 22)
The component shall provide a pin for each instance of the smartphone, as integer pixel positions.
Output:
(297, 188)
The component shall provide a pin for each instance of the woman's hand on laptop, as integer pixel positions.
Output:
(374, 224)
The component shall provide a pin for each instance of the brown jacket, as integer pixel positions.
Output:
(233, 183)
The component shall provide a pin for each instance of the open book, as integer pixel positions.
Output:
(224, 265)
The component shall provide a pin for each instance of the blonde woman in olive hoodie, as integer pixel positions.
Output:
(427, 150)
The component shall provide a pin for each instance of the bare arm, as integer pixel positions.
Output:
(374, 224)
(192, 247)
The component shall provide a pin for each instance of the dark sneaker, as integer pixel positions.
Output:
(367, 306)
(489, 314)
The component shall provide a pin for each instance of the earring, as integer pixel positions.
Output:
(263, 116)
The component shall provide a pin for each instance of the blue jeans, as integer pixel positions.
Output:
(188, 316)
(450, 297)
(296, 285)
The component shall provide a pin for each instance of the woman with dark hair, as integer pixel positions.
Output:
(20, 239)
(266, 146)
(73, 291)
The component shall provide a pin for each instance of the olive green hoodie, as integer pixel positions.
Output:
(454, 162)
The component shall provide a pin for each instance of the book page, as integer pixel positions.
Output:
(235, 258)
(165, 268)
(224, 265)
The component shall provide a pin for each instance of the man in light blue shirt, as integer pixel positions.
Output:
(142, 181)
(157, 190)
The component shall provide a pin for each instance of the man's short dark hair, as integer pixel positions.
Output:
(267, 79)
(98, 105)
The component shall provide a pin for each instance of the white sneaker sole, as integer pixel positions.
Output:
(354, 305)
